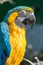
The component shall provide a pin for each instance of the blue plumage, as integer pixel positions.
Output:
(4, 42)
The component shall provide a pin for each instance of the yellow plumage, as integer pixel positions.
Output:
(17, 41)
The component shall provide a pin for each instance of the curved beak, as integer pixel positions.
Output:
(30, 20)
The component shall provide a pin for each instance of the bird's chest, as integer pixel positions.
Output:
(17, 37)
(18, 45)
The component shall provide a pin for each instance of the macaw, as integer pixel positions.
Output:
(13, 34)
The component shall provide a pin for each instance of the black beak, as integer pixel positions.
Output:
(30, 20)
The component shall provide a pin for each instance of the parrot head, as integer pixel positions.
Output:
(22, 15)
(26, 16)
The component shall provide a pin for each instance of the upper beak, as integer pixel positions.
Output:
(30, 20)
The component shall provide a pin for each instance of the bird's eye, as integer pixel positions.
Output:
(22, 12)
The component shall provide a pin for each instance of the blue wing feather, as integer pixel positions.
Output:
(4, 42)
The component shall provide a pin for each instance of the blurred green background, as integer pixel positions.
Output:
(36, 4)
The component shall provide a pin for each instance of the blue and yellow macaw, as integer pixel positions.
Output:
(13, 34)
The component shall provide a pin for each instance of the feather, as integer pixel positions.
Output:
(4, 42)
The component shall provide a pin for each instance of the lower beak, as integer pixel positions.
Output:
(30, 20)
